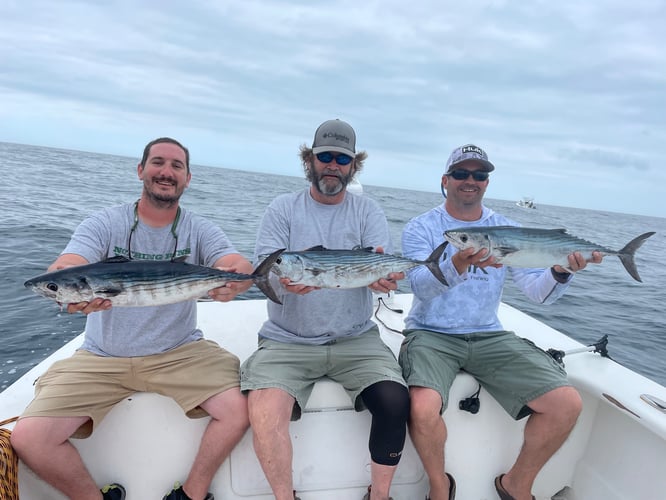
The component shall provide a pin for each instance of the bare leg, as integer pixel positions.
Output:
(43, 444)
(428, 433)
(555, 414)
(382, 475)
(270, 413)
(229, 421)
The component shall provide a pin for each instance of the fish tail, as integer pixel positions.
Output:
(626, 255)
(261, 274)
(432, 263)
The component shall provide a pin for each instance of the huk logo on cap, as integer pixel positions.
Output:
(473, 149)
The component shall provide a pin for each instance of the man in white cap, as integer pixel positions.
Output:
(318, 333)
(455, 326)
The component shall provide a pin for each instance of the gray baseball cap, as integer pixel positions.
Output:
(469, 152)
(335, 135)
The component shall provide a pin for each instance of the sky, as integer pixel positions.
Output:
(567, 97)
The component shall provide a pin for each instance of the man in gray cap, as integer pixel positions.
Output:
(318, 333)
(455, 327)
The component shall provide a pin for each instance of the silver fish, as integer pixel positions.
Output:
(325, 268)
(136, 283)
(536, 247)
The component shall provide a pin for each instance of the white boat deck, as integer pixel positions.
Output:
(617, 450)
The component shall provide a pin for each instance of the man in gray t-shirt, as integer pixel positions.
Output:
(318, 333)
(131, 349)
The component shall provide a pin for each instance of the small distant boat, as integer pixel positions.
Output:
(526, 203)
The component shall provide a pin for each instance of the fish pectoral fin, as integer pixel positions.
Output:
(315, 271)
(503, 251)
(108, 292)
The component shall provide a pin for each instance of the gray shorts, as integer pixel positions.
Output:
(86, 384)
(354, 362)
(512, 369)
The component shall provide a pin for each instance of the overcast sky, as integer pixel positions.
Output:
(567, 97)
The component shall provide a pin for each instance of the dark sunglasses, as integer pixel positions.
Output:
(341, 159)
(462, 175)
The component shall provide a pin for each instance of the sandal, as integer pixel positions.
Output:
(367, 495)
(503, 494)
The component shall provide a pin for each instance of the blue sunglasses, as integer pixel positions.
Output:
(340, 159)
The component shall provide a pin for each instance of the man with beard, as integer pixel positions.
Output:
(318, 333)
(131, 349)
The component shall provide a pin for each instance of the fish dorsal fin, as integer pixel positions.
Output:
(317, 248)
(364, 249)
(116, 259)
(180, 259)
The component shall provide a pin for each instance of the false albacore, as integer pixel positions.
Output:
(136, 283)
(324, 268)
(535, 247)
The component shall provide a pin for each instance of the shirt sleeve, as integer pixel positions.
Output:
(91, 238)
(539, 285)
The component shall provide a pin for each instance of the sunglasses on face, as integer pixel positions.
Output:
(461, 175)
(341, 159)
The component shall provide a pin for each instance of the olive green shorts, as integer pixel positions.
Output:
(354, 362)
(90, 385)
(512, 369)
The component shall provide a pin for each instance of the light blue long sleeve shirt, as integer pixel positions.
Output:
(471, 301)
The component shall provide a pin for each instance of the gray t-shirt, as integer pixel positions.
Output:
(297, 222)
(143, 331)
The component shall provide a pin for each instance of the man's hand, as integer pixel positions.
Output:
(577, 262)
(468, 257)
(94, 305)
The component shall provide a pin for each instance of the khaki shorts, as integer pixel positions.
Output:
(90, 385)
(512, 369)
(354, 362)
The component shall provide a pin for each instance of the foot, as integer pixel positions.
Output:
(177, 493)
(113, 491)
(452, 487)
(368, 494)
(501, 491)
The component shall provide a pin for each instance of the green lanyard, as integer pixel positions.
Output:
(136, 223)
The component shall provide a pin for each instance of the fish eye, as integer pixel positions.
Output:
(278, 260)
(52, 286)
(463, 239)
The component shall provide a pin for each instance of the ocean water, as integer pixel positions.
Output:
(46, 192)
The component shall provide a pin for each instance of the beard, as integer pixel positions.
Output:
(160, 198)
(325, 185)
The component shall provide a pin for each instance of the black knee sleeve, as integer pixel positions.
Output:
(388, 403)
